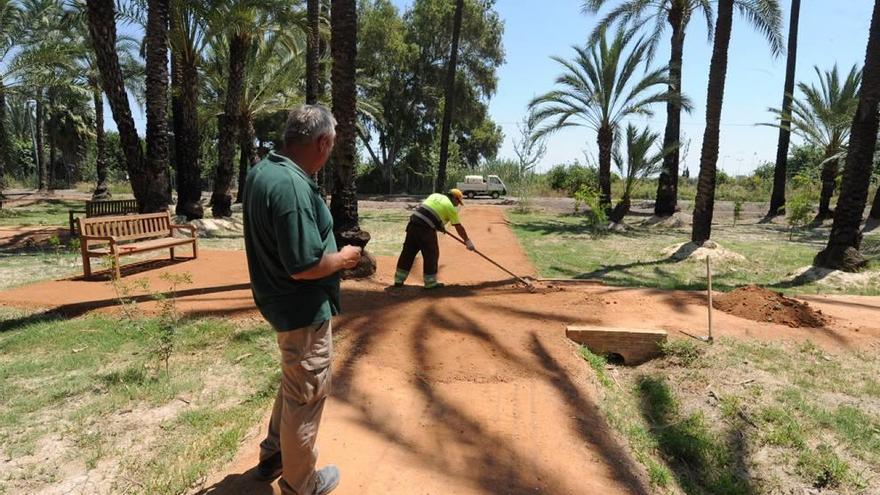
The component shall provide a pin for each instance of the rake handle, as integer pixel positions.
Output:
(490, 260)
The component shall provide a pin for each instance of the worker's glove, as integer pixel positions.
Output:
(470, 245)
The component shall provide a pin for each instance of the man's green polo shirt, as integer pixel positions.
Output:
(287, 230)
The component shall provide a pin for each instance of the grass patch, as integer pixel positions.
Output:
(88, 395)
(387, 228)
(564, 246)
(49, 212)
(747, 418)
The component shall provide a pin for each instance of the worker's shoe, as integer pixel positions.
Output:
(400, 277)
(269, 468)
(432, 283)
(326, 480)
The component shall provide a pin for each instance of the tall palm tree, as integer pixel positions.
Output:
(156, 191)
(822, 117)
(9, 16)
(87, 74)
(42, 39)
(238, 23)
(599, 89)
(777, 197)
(272, 88)
(343, 49)
(765, 16)
(101, 15)
(842, 251)
(449, 99)
(639, 163)
(188, 42)
(655, 15)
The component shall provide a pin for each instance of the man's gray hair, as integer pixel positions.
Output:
(306, 123)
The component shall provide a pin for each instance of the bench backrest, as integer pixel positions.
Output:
(128, 227)
(111, 207)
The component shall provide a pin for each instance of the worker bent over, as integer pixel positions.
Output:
(421, 235)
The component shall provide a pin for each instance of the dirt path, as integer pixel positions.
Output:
(467, 390)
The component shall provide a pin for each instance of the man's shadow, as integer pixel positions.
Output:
(245, 483)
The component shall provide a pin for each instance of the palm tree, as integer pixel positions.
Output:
(188, 42)
(599, 89)
(87, 74)
(449, 99)
(842, 251)
(101, 16)
(638, 164)
(765, 16)
(343, 49)
(9, 15)
(822, 117)
(657, 14)
(156, 191)
(272, 88)
(777, 197)
(238, 23)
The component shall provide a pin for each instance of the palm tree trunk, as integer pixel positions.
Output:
(343, 47)
(605, 141)
(53, 150)
(704, 204)
(102, 28)
(842, 251)
(830, 170)
(777, 197)
(102, 188)
(221, 199)
(184, 101)
(621, 209)
(667, 184)
(312, 47)
(156, 195)
(248, 153)
(449, 100)
(4, 141)
(42, 167)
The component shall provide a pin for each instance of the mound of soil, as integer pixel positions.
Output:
(835, 279)
(677, 220)
(709, 249)
(759, 304)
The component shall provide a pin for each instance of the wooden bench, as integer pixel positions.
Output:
(102, 209)
(130, 234)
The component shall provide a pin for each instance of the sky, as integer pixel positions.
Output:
(830, 31)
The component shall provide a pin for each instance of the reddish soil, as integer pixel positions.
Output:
(759, 304)
(471, 389)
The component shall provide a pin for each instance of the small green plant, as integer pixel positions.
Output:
(590, 197)
(162, 329)
(54, 244)
(737, 211)
(798, 209)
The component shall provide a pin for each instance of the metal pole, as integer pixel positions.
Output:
(709, 278)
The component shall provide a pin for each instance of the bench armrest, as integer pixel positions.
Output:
(105, 238)
(190, 228)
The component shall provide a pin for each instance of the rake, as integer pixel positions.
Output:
(490, 260)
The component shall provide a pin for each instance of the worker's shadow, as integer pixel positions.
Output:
(239, 484)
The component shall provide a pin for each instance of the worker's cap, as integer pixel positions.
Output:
(457, 194)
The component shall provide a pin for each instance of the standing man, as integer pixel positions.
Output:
(294, 264)
(421, 235)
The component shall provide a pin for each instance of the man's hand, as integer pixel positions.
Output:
(470, 245)
(351, 256)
